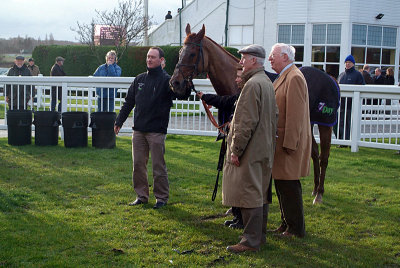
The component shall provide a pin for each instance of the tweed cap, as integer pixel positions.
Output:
(254, 50)
(31, 59)
(19, 57)
(59, 58)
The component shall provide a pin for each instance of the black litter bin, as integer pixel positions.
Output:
(19, 126)
(46, 127)
(102, 124)
(75, 129)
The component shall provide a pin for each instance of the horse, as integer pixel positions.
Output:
(200, 54)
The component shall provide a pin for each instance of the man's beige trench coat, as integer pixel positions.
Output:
(252, 137)
(294, 130)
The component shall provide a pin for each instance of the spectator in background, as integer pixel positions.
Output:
(34, 69)
(378, 78)
(168, 16)
(56, 92)
(105, 96)
(367, 75)
(389, 79)
(349, 76)
(19, 96)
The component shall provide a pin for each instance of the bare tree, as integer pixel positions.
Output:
(127, 22)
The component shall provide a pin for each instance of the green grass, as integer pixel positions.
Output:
(68, 207)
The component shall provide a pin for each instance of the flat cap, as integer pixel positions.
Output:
(254, 50)
(59, 58)
(20, 57)
(31, 59)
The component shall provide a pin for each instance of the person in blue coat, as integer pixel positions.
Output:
(105, 96)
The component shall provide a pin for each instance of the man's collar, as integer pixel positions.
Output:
(286, 67)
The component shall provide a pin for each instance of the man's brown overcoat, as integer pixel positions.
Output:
(252, 138)
(294, 130)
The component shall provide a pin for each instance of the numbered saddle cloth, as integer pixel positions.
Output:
(324, 96)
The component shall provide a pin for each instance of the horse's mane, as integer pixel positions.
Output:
(220, 47)
(191, 36)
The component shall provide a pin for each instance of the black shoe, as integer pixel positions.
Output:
(137, 202)
(159, 204)
(229, 222)
(237, 225)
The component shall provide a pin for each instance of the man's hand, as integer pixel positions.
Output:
(287, 150)
(235, 159)
(116, 129)
(199, 94)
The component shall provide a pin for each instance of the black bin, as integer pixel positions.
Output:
(75, 129)
(102, 124)
(19, 127)
(46, 127)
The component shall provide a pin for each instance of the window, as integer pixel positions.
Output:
(374, 45)
(293, 35)
(325, 51)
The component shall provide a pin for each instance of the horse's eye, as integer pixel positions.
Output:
(192, 55)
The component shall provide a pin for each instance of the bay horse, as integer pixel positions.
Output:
(200, 54)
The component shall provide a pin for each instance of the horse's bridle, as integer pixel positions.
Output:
(195, 66)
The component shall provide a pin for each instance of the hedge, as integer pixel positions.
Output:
(79, 61)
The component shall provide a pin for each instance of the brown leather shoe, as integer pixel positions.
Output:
(286, 234)
(278, 230)
(239, 248)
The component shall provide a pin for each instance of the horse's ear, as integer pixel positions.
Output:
(188, 29)
(201, 33)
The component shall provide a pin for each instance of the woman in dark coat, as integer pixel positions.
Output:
(389, 79)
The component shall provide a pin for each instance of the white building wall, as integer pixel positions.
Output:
(256, 21)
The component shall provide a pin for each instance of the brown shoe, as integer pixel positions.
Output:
(239, 248)
(286, 234)
(278, 230)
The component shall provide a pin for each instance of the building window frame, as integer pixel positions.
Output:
(294, 35)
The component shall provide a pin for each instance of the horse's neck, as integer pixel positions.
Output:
(221, 68)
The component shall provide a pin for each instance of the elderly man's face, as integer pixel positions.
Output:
(31, 63)
(153, 58)
(377, 72)
(348, 64)
(19, 63)
(248, 62)
(278, 60)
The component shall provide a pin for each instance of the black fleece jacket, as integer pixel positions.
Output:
(151, 97)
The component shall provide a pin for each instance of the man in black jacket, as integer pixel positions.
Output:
(19, 96)
(57, 70)
(349, 76)
(151, 97)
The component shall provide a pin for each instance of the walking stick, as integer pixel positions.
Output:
(220, 165)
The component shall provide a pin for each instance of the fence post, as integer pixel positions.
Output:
(64, 103)
(356, 124)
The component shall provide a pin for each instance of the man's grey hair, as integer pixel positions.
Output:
(260, 61)
(289, 50)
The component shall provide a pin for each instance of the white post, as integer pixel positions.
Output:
(146, 17)
(356, 121)
(64, 103)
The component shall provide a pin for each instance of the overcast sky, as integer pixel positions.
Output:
(36, 18)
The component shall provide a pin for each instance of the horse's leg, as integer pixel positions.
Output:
(315, 158)
(325, 134)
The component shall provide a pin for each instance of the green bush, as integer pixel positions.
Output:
(79, 60)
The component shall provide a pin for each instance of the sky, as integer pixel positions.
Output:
(36, 18)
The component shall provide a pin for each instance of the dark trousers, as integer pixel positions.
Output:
(344, 124)
(255, 226)
(291, 205)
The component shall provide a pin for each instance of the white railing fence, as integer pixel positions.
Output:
(370, 114)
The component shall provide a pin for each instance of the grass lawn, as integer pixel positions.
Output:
(68, 207)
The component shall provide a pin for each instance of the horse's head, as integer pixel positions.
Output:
(190, 60)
